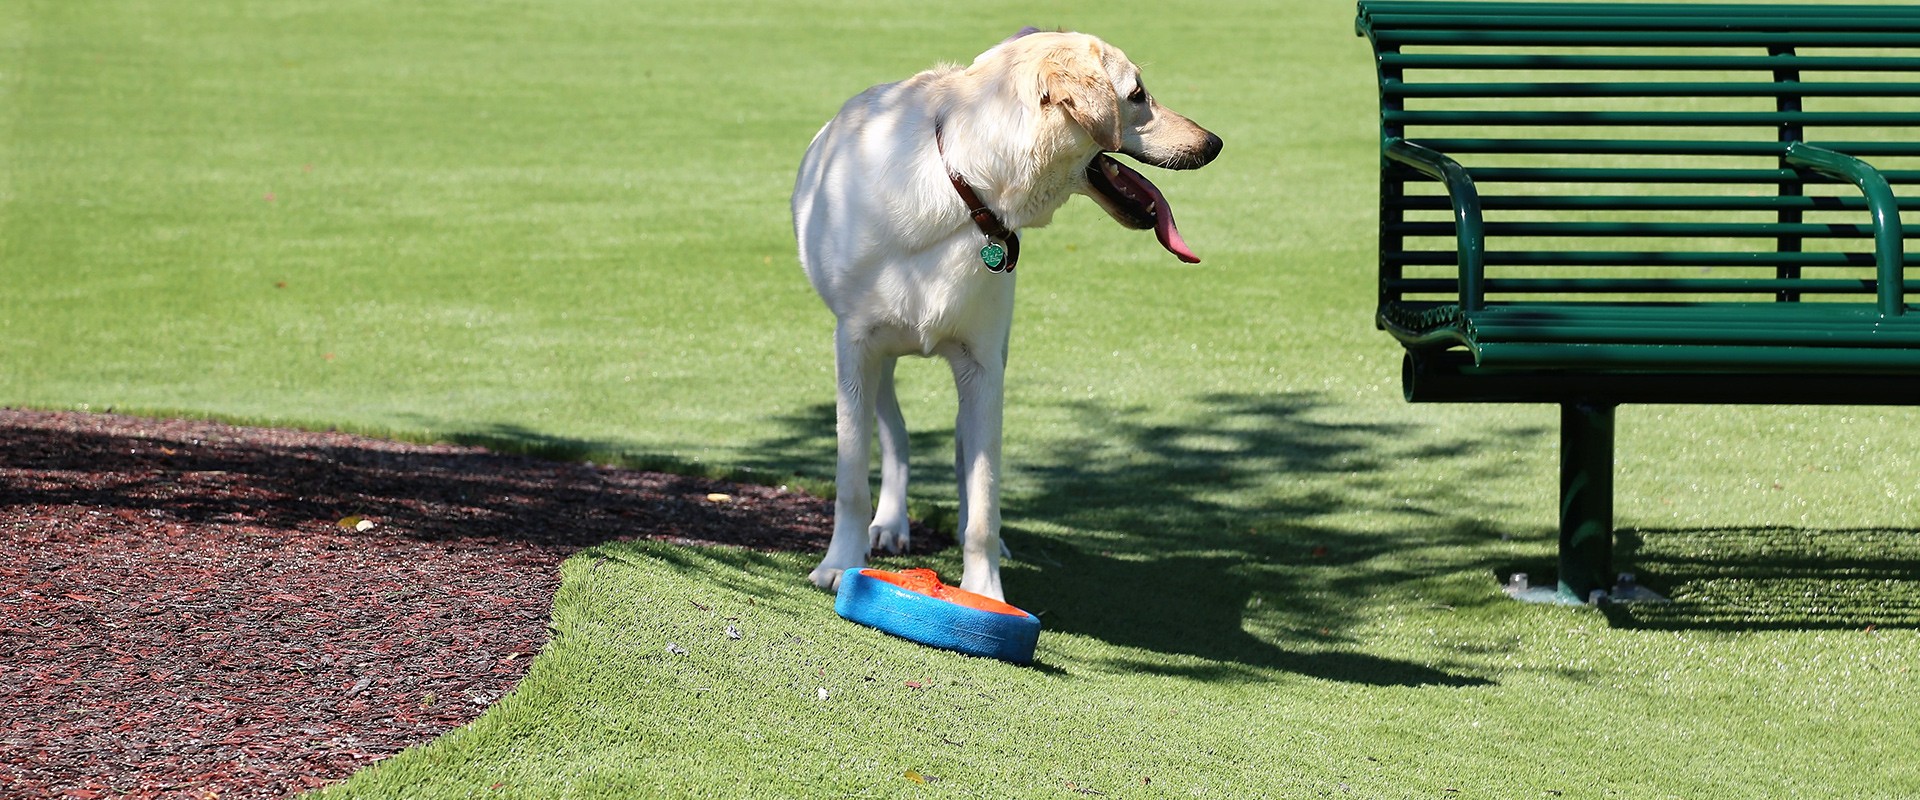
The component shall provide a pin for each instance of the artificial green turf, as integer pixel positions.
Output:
(561, 227)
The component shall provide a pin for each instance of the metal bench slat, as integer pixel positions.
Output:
(1827, 324)
(1418, 316)
(1653, 175)
(1642, 38)
(1395, 88)
(1797, 312)
(1374, 9)
(1700, 358)
(1507, 336)
(1561, 202)
(1821, 325)
(1660, 286)
(1717, 230)
(1852, 336)
(1702, 23)
(1717, 314)
(1689, 62)
(1654, 147)
(1652, 258)
(1653, 119)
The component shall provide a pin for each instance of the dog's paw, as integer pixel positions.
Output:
(889, 536)
(827, 575)
(983, 582)
(827, 578)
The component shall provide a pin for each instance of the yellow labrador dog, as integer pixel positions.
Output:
(908, 208)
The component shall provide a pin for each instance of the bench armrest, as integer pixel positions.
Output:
(1467, 224)
(1888, 240)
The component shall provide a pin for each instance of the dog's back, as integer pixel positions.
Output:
(879, 228)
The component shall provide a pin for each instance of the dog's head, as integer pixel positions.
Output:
(1091, 101)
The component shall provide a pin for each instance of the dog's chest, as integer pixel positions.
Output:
(944, 303)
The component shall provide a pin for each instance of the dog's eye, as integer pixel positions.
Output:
(1139, 94)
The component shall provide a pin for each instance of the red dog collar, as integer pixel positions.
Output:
(1002, 251)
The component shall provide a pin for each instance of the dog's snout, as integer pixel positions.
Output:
(1195, 157)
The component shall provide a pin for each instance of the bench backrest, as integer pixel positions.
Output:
(1645, 152)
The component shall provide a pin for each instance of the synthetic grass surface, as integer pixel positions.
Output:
(562, 227)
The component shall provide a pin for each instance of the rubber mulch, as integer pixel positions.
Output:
(197, 610)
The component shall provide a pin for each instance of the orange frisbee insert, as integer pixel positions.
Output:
(914, 605)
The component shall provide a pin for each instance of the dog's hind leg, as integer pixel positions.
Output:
(981, 380)
(889, 530)
(859, 372)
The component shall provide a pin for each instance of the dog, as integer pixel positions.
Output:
(907, 209)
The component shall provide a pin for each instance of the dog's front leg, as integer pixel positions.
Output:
(889, 531)
(859, 371)
(981, 380)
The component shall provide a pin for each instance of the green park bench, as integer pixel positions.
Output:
(1596, 204)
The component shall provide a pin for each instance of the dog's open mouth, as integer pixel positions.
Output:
(1135, 202)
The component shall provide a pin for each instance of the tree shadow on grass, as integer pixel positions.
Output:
(1185, 537)
(293, 483)
(1773, 578)
(1242, 539)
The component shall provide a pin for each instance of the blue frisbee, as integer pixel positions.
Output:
(914, 605)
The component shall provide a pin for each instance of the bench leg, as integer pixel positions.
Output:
(1586, 499)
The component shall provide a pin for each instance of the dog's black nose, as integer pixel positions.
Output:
(1213, 149)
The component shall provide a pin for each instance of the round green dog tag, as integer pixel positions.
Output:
(993, 255)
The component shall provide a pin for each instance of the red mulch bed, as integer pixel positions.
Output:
(183, 614)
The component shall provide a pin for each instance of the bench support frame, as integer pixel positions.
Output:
(1587, 412)
(1586, 499)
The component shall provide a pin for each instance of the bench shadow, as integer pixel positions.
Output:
(1735, 579)
(1218, 564)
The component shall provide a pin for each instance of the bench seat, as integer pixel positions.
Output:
(1808, 338)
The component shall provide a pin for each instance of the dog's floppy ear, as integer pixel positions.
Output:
(1076, 80)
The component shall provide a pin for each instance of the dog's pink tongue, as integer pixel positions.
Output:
(1163, 225)
(1168, 234)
